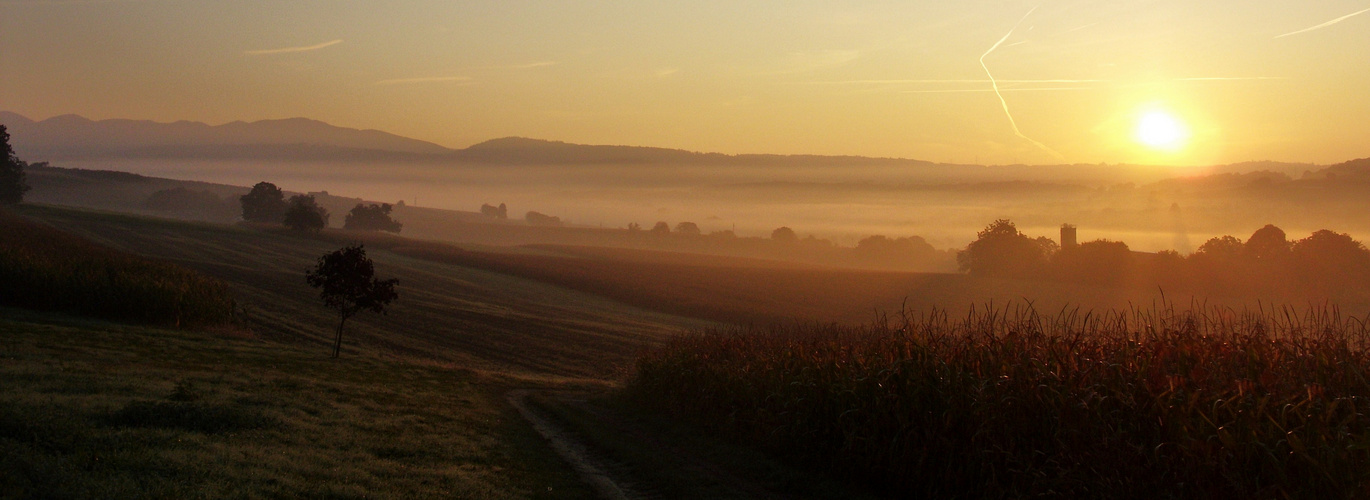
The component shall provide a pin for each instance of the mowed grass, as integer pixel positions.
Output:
(100, 410)
(1154, 403)
(471, 317)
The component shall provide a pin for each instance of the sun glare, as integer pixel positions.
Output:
(1161, 130)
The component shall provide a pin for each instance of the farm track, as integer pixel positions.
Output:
(614, 479)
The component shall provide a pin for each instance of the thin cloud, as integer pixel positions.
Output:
(539, 64)
(286, 50)
(981, 80)
(1230, 78)
(1324, 25)
(428, 79)
(963, 91)
(804, 62)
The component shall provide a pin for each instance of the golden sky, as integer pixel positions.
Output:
(1217, 81)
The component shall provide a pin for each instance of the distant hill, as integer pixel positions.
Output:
(75, 137)
(71, 137)
(1354, 169)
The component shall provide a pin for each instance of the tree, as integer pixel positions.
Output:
(305, 215)
(1224, 249)
(1100, 262)
(347, 279)
(687, 229)
(1000, 250)
(1331, 260)
(661, 228)
(1267, 244)
(265, 203)
(371, 218)
(13, 181)
(500, 212)
(784, 234)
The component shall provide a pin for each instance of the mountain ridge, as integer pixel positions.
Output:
(73, 137)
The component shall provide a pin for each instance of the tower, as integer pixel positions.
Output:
(1067, 236)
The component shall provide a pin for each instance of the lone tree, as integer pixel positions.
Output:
(265, 203)
(305, 215)
(13, 182)
(349, 285)
(371, 218)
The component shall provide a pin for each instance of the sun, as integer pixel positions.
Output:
(1161, 130)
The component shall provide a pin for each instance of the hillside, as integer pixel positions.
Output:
(468, 316)
(73, 137)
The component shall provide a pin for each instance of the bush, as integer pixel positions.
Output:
(371, 218)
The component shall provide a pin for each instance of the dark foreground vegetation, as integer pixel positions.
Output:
(1201, 403)
(44, 268)
(99, 410)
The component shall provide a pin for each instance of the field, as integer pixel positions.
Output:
(467, 316)
(416, 406)
(100, 410)
(1007, 403)
(419, 405)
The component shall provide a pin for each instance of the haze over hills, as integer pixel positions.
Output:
(73, 137)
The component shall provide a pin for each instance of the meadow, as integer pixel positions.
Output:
(91, 409)
(446, 313)
(964, 402)
(1203, 402)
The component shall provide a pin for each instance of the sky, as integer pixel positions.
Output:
(1078, 81)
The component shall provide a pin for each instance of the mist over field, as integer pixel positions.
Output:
(1150, 208)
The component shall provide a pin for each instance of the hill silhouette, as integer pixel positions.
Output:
(72, 137)
(76, 137)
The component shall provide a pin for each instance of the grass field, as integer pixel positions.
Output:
(751, 291)
(416, 407)
(471, 317)
(100, 410)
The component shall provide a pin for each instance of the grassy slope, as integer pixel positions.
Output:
(504, 319)
(414, 409)
(98, 410)
(743, 290)
(474, 318)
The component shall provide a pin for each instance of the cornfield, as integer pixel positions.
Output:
(48, 269)
(1005, 402)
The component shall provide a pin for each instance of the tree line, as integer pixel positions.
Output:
(1325, 263)
(266, 203)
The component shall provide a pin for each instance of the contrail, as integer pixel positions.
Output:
(1004, 102)
(1324, 25)
(293, 49)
